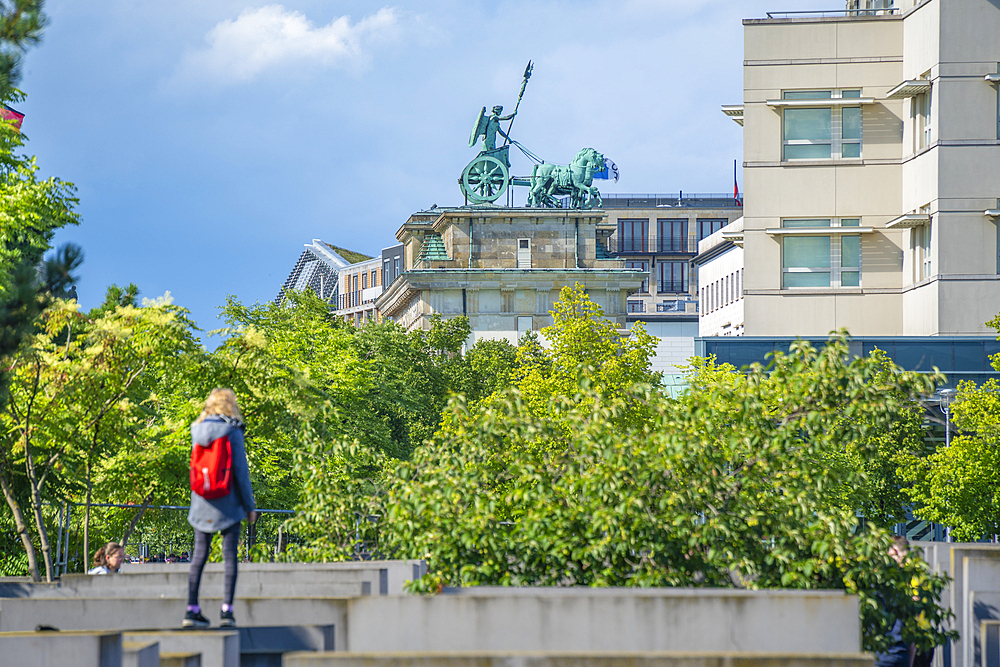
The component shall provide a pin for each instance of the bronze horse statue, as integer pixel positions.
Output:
(549, 181)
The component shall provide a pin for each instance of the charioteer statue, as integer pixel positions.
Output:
(487, 177)
(487, 128)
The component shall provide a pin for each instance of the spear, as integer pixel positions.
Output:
(527, 75)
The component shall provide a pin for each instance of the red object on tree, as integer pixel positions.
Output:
(8, 113)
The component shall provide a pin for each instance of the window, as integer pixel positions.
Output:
(920, 244)
(672, 235)
(673, 277)
(364, 280)
(821, 133)
(633, 236)
(819, 260)
(636, 306)
(385, 272)
(374, 278)
(707, 227)
(524, 253)
(395, 271)
(644, 267)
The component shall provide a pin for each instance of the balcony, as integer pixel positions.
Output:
(672, 287)
(684, 245)
(636, 306)
(677, 307)
(667, 245)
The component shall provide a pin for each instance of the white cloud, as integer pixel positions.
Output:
(272, 37)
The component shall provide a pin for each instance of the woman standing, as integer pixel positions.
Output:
(220, 419)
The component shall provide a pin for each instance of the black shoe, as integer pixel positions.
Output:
(226, 619)
(194, 619)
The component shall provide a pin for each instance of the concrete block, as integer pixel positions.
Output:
(140, 654)
(167, 613)
(575, 659)
(392, 573)
(253, 584)
(217, 648)
(961, 653)
(264, 647)
(180, 660)
(81, 649)
(984, 607)
(989, 644)
(981, 592)
(563, 619)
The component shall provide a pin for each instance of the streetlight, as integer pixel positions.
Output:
(945, 398)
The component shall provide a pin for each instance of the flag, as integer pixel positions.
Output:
(610, 171)
(736, 187)
(13, 115)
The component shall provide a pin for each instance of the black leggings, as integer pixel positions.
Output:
(202, 544)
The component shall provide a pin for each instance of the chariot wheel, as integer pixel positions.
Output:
(485, 179)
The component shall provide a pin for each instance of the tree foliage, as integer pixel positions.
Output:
(959, 486)
(727, 486)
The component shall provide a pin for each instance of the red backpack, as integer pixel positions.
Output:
(211, 468)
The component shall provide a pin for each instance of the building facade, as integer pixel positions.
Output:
(504, 268)
(317, 269)
(359, 285)
(720, 266)
(870, 144)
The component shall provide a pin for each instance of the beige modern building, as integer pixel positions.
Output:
(872, 169)
(503, 268)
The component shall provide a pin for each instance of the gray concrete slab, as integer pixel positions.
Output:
(218, 648)
(960, 654)
(175, 659)
(394, 573)
(989, 647)
(248, 584)
(560, 619)
(140, 654)
(167, 613)
(80, 649)
(575, 659)
(981, 592)
(983, 606)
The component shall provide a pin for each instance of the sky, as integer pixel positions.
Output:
(209, 140)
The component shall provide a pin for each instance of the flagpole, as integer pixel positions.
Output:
(524, 83)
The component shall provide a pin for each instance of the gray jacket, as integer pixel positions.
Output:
(211, 516)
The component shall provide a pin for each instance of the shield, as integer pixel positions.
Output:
(479, 129)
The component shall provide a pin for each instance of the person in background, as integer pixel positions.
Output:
(220, 418)
(108, 559)
(899, 654)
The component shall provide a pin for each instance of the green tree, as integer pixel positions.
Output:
(959, 486)
(724, 487)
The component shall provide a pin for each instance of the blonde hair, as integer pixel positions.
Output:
(222, 401)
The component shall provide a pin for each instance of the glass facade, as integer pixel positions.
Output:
(959, 358)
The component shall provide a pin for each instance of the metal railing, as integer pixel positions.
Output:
(679, 306)
(834, 13)
(678, 244)
(636, 307)
(631, 245)
(352, 300)
(672, 287)
(666, 200)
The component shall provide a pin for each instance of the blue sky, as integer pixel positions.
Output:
(209, 140)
